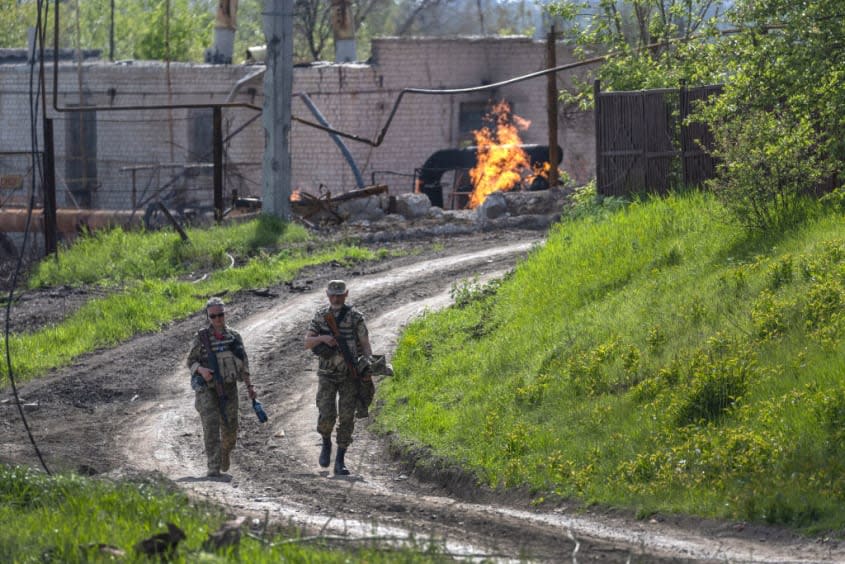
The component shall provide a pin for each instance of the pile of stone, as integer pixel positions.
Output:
(378, 215)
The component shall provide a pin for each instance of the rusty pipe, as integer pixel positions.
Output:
(67, 220)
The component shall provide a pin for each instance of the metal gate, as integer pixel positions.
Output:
(643, 144)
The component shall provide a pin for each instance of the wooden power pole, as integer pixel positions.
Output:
(278, 87)
(551, 101)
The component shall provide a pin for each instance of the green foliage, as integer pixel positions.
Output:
(466, 292)
(65, 518)
(831, 413)
(114, 257)
(769, 161)
(777, 123)
(139, 27)
(650, 45)
(586, 202)
(715, 384)
(656, 357)
(180, 34)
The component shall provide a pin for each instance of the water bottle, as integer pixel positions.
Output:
(259, 411)
(198, 382)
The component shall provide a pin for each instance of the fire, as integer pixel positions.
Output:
(296, 195)
(501, 162)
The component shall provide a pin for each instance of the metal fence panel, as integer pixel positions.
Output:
(643, 145)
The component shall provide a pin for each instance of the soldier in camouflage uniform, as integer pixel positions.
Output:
(219, 433)
(339, 394)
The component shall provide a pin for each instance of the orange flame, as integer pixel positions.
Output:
(296, 195)
(501, 162)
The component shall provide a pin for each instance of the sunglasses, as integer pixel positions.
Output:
(216, 315)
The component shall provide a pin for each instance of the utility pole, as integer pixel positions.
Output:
(276, 117)
(551, 105)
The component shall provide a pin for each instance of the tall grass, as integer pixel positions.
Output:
(656, 358)
(65, 518)
(113, 257)
(147, 272)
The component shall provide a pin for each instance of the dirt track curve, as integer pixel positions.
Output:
(130, 409)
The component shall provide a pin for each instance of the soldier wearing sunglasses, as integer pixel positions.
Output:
(217, 394)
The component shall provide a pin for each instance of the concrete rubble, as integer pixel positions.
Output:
(375, 215)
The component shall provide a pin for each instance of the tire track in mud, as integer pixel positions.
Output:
(274, 470)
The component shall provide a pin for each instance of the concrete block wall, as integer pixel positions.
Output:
(354, 98)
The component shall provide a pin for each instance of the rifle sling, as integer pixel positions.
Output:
(334, 325)
(218, 378)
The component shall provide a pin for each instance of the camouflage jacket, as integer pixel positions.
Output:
(229, 348)
(352, 330)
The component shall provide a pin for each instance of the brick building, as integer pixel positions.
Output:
(121, 159)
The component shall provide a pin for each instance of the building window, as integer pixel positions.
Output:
(470, 119)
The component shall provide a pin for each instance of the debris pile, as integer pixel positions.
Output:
(382, 216)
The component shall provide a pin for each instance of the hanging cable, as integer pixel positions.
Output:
(38, 174)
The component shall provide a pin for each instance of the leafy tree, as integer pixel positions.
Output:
(178, 30)
(15, 19)
(465, 17)
(313, 33)
(779, 122)
(139, 26)
(655, 43)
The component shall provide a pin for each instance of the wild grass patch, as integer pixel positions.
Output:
(655, 357)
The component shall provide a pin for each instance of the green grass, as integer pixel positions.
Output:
(115, 257)
(145, 273)
(656, 358)
(61, 518)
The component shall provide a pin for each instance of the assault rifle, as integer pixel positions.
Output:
(343, 345)
(218, 377)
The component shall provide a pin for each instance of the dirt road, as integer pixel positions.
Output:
(130, 409)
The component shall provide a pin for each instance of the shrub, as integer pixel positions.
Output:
(716, 384)
(768, 161)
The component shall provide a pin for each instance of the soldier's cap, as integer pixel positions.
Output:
(214, 301)
(336, 288)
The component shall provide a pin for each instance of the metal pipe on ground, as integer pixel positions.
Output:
(68, 221)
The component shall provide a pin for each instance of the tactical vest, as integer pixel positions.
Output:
(230, 365)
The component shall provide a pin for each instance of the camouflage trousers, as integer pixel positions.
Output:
(217, 435)
(337, 402)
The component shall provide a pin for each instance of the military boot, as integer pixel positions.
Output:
(339, 466)
(326, 452)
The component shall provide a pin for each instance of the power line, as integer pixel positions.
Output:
(34, 92)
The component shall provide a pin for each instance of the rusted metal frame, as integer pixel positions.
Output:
(176, 176)
(317, 205)
(172, 220)
(360, 193)
(216, 107)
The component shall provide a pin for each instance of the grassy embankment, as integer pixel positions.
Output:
(656, 358)
(63, 518)
(147, 278)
